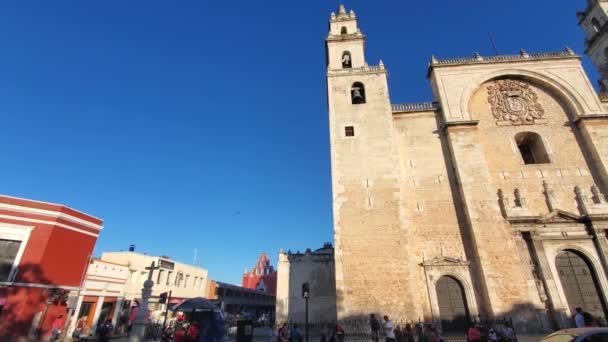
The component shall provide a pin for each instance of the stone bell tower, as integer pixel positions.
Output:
(370, 255)
(594, 21)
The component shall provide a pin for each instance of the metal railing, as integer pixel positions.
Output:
(413, 107)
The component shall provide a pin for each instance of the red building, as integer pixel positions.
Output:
(44, 254)
(262, 277)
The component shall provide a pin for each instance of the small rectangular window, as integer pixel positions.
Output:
(8, 253)
(349, 131)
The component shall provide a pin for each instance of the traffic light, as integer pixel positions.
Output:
(305, 291)
(162, 298)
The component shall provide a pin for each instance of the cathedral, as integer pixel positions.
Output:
(489, 201)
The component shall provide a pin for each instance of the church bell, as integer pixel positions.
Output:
(357, 96)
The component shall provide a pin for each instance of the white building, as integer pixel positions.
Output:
(184, 281)
(102, 296)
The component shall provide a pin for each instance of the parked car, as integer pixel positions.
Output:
(578, 335)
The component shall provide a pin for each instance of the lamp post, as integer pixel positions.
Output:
(306, 295)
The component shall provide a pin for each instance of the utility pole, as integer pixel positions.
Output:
(168, 300)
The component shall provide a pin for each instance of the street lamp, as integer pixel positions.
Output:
(306, 295)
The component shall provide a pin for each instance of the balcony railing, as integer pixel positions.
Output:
(414, 107)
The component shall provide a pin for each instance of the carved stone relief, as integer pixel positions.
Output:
(514, 103)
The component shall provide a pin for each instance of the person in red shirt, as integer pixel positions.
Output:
(473, 334)
(56, 328)
(192, 333)
(180, 335)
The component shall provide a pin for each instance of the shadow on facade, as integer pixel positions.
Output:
(525, 318)
(23, 303)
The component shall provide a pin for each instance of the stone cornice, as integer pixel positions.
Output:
(603, 118)
(521, 57)
(445, 261)
(345, 37)
(357, 71)
(458, 125)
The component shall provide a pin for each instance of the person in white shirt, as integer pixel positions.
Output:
(579, 318)
(389, 329)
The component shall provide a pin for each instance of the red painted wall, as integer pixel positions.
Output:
(54, 257)
(262, 271)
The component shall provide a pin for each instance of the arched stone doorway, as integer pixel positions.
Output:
(453, 309)
(580, 284)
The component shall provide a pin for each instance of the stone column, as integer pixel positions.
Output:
(138, 328)
(117, 310)
(555, 307)
(75, 316)
(96, 314)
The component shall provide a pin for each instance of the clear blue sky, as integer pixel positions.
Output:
(203, 124)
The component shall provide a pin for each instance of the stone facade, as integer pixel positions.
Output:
(487, 185)
(316, 268)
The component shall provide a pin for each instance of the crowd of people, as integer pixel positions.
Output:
(407, 333)
(386, 330)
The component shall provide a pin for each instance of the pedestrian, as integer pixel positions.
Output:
(579, 318)
(192, 333)
(389, 329)
(588, 318)
(399, 334)
(180, 334)
(492, 335)
(56, 328)
(509, 333)
(296, 334)
(122, 323)
(105, 331)
(431, 334)
(408, 333)
(374, 326)
(284, 333)
(81, 327)
(419, 335)
(473, 334)
(339, 333)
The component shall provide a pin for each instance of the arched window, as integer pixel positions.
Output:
(346, 60)
(343, 30)
(531, 148)
(595, 25)
(357, 93)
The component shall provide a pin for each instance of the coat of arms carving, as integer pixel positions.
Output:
(514, 102)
